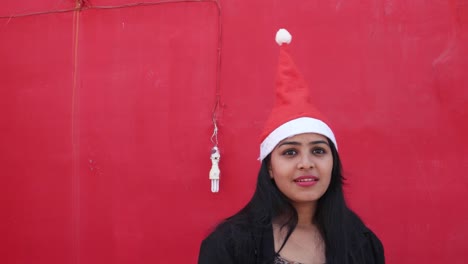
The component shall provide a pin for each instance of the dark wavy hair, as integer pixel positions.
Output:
(333, 218)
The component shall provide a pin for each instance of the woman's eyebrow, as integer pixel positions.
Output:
(318, 142)
(294, 143)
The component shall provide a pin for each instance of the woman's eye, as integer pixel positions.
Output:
(290, 152)
(319, 151)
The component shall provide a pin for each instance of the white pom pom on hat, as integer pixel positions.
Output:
(283, 36)
(293, 112)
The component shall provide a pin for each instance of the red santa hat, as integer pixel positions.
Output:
(293, 112)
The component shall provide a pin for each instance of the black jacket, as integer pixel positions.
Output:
(233, 243)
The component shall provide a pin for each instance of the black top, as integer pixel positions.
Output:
(234, 243)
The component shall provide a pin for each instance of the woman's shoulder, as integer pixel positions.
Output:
(216, 247)
(231, 229)
(366, 241)
(227, 243)
(372, 247)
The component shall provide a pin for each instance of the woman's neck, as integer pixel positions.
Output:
(305, 214)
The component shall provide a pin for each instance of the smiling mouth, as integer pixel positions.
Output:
(306, 180)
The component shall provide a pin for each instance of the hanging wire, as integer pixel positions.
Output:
(214, 116)
(85, 5)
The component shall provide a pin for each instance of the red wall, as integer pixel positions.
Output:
(105, 121)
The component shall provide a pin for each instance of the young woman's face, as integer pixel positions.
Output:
(301, 167)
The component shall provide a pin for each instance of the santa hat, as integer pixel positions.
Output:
(293, 112)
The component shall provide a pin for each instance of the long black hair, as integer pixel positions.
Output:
(335, 221)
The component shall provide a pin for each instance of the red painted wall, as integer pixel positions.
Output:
(105, 121)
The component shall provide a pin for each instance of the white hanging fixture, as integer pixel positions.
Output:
(214, 172)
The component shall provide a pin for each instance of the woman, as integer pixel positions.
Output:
(298, 213)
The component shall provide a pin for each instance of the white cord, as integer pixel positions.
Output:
(215, 134)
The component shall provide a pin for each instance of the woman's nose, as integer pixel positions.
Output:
(306, 162)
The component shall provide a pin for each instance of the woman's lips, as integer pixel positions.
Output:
(306, 181)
